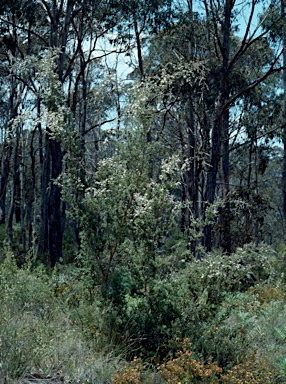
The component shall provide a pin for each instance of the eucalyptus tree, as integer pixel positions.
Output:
(136, 20)
(234, 66)
(12, 16)
(274, 27)
(231, 53)
(194, 72)
(53, 45)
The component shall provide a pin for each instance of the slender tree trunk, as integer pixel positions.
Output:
(13, 109)
(52, 208)
(283, 14)
(13, 189)
(5, 171)
(45, 192)
(212, 177)
(55, 212)
(192, 176)
(138, 45)
(24, 188)
(82, 154)
(189, 194)
(17, 181)
(220, 127)
(32, 194)
(225, 213)
(7, 151)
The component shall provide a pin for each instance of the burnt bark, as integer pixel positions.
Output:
(225, 212)
(52, 209)
(220, 130)
(5, 171)
(189, 194)
(283, 14)
(55, 209)
(43, 245)
(32, 194)
(13, 189)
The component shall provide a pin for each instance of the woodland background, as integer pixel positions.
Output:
(143, 191)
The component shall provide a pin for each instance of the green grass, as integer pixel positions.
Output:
(45, 330)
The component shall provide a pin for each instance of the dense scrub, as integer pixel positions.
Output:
(218, 320)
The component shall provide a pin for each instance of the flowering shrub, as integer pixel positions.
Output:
(254, 370)
(129, 374)
(186, 369)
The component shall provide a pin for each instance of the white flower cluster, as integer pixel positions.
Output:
(169, 171)
(156, 94)
(54, 122)
(43, 69)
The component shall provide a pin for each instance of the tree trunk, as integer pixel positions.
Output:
(225, 212)
(43, 246)
(211, 178)
(52, 208)
(13, 109)
(5, 171)
(7, 151)
(189, 194)
(138, 45)
(55, 212)
(13, 189)
(32, 194)
(23, 203)
(220, 127)
(284, 110)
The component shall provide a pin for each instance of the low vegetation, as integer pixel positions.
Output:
(219, 320)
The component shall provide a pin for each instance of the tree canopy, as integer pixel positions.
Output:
(143, 157)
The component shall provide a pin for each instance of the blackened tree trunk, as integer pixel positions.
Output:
(8, 141)
(14, 188)
(220, 130)
(189, 185)
(212, 178)
(283, 14)
(13, 110)
(32, 193)
(24, 191)
(191, 177)
(138, 44)
(52, 210)
(225, 212)
(45, 191)
(5, 171)
(55, 211)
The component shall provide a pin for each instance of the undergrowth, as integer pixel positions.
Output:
(219, 320)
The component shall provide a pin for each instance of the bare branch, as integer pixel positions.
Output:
(96, 126)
